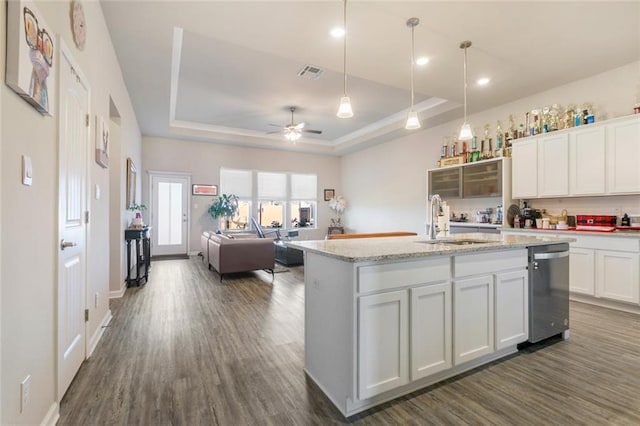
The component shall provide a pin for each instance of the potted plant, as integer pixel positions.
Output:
(226, 206)
(137, 209)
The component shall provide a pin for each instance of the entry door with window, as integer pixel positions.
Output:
(169, 214)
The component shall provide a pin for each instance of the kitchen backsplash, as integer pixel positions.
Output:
(616, 205)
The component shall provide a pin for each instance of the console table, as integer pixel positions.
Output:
(142, 239)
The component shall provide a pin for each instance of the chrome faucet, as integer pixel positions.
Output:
(436, 203)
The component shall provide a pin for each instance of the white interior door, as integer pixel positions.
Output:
(72, 207)
(169, 214)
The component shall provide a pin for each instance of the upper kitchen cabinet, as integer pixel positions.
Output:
(587, 161)
(524, 173)
(482, 179)
(553, 158)
(623, 155)
(445, 182)
(593, 160)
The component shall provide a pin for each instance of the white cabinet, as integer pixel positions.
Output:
(383, 358)
(473, 318)
(553, 160)
(524, 170)
(582, 271)
(512, 308)
(623, 156)
(587, 161)
(617, 276)
(430, 329)
(598, 159)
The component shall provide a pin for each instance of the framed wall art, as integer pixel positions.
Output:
(30, 54)
(131, 182)
(102, 142)
(199, 189)
(329, 194)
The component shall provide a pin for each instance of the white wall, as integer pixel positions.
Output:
(29, 222)
(2, 70)
(204, 160)
(386, 184)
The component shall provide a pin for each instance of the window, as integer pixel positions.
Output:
(282, 200)
(240, 183)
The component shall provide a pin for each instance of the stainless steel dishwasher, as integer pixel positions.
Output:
(548, 291)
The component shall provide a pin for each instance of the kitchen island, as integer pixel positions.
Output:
(387, 316)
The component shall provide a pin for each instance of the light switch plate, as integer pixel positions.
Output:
(27, 170)
(97, 191)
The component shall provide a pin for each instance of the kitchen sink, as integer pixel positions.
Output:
(464, 242)
(454, 242)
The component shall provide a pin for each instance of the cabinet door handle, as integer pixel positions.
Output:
(64, 244)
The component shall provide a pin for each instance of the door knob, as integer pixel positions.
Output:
(64, 244)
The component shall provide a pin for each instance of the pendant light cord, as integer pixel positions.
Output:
(465, 84)
(344, 51)
(412, 63)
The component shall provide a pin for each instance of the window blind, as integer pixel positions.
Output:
(303, 187)
(272, 186)
(238, 182)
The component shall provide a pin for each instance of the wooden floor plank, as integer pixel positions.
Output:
(186, 349)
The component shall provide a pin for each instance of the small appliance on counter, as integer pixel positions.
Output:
(597, 223)
(499, 215)
(629, 223)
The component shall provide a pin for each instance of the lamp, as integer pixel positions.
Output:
(412, 119)
(465, 130)
(344, 110)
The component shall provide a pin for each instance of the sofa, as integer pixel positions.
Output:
(227, 254)
(204, 244)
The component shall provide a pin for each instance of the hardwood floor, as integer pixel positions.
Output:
(188, 350)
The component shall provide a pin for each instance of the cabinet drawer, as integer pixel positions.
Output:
(607, 243)
(488, 263)
(401, 274)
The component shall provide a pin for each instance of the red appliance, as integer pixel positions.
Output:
(602, 223)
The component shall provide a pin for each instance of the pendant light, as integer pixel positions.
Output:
(412, 119)
(465, 130)
(344, 110)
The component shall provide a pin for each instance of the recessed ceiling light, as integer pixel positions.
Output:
(337, 32)
(483, 81)
(422, 60)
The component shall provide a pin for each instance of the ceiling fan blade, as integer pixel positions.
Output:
(317, 132)
(300, 126)
(275, 125)
(275, 131)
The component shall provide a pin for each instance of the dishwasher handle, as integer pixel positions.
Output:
(553, 255)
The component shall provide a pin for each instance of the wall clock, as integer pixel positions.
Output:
(78, 24)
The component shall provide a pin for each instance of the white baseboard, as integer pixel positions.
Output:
(95, 338)
(116, 294)
(52, 416)
(194, 253)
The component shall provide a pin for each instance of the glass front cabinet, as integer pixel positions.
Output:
(471, 180)
(446, 182)
(482, 180)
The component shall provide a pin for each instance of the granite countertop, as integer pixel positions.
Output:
(573, 233)
(389, 248)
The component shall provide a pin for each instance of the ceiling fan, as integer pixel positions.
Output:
(293, 132)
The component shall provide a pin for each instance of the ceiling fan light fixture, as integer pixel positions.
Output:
(465, 131)
(292, 135)
(412, 119)
(345, 110)
(413, 122)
